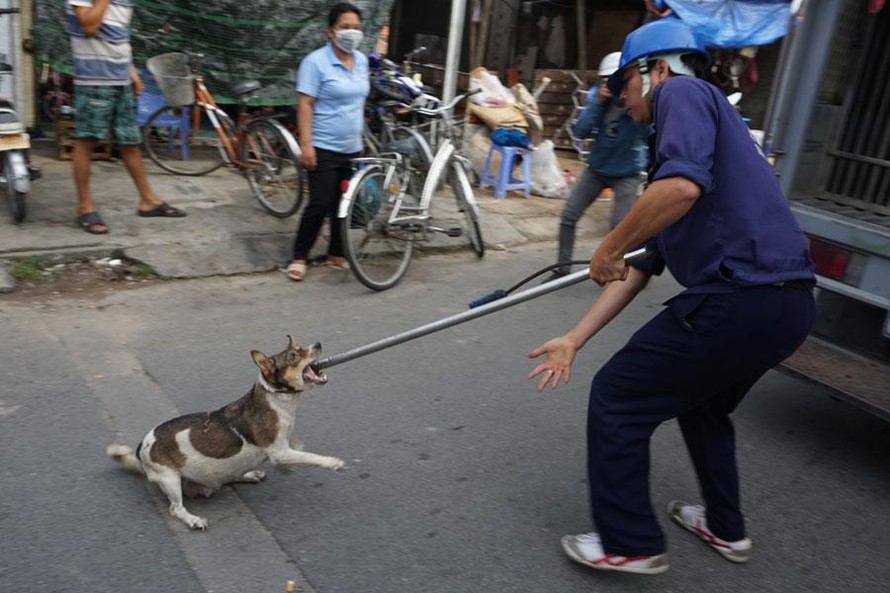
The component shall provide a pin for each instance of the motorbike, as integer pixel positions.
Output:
(15, 176)
(389, 82)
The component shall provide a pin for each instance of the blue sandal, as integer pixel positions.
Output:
(92, 223)
(163, 210)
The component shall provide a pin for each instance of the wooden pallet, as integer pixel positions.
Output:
(64, 132)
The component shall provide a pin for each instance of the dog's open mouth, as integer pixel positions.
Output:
(311, 376)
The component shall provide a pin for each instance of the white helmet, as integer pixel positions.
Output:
(609, 64)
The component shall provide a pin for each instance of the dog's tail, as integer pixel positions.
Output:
(126, 457)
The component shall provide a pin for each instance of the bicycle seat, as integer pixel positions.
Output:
(245, 87)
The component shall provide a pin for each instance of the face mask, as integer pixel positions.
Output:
(348, 39)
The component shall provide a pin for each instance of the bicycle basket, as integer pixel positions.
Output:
(173, 75)
(368, 200)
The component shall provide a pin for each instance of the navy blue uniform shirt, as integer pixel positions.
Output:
(740, 232)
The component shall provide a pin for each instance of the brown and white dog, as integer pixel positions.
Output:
(196, 454)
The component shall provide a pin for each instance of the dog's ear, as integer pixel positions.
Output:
(292, 343)
(266, 364)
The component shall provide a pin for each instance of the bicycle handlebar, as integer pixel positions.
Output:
(442, 109)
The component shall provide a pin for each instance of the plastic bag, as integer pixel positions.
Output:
(527, 102)
(547, 178)
(508, 116)
(494, 94)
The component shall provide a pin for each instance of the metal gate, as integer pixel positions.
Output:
(859, 157)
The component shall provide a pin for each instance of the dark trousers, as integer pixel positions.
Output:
(325, 191)
(694, 361)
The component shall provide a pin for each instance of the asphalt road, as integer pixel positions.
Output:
(461, 477)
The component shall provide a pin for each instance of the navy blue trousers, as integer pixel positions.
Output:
(694, 361)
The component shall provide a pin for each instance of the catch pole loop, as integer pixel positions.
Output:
(503, 303)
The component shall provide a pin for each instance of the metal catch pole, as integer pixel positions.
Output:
(465, 316)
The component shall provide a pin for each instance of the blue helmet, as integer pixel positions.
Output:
(664, 36)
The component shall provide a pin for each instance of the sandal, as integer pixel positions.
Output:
(296, 270)
(92, 223)
(164, 210)
(337, 263)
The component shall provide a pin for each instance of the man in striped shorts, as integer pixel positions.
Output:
(105, 82)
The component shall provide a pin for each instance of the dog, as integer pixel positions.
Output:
(197, 454)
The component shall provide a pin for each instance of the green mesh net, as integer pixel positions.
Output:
(261, 40)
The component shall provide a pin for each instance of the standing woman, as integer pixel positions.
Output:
(332, 84)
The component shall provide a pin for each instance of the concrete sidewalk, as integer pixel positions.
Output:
(226, 230)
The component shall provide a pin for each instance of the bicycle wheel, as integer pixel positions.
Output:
(466, 203)
(273, 172)
(183, 140)
(51, 103)
(378, 251)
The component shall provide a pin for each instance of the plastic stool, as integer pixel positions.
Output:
(503, 181)
(147, 104)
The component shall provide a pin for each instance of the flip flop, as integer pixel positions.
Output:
(296, 270)
(92, 223)
(342, 264)
(163, 210)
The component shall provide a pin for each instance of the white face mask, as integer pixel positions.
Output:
(348, 39)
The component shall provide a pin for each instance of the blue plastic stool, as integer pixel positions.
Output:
(148, 103)
(503, 181)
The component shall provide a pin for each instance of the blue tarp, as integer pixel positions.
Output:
(732, 23)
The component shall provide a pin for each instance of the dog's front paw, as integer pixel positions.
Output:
(195, 522)
(333, 463)
(254, 476)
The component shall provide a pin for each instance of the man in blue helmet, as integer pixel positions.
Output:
(714, 215)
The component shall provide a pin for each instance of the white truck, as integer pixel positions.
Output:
(827, 130)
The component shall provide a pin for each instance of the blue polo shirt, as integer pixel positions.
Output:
(338, 114)
(740, 232)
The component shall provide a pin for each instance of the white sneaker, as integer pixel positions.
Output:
(691, 517)
(587, 549)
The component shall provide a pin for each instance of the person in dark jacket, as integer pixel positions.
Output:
(714, 215)
(616, 160)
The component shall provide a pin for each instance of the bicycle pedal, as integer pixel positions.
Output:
(454, 231)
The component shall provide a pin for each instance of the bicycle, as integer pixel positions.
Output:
(386, 208)
(55, 98)
(191, 135)
(387, 122)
